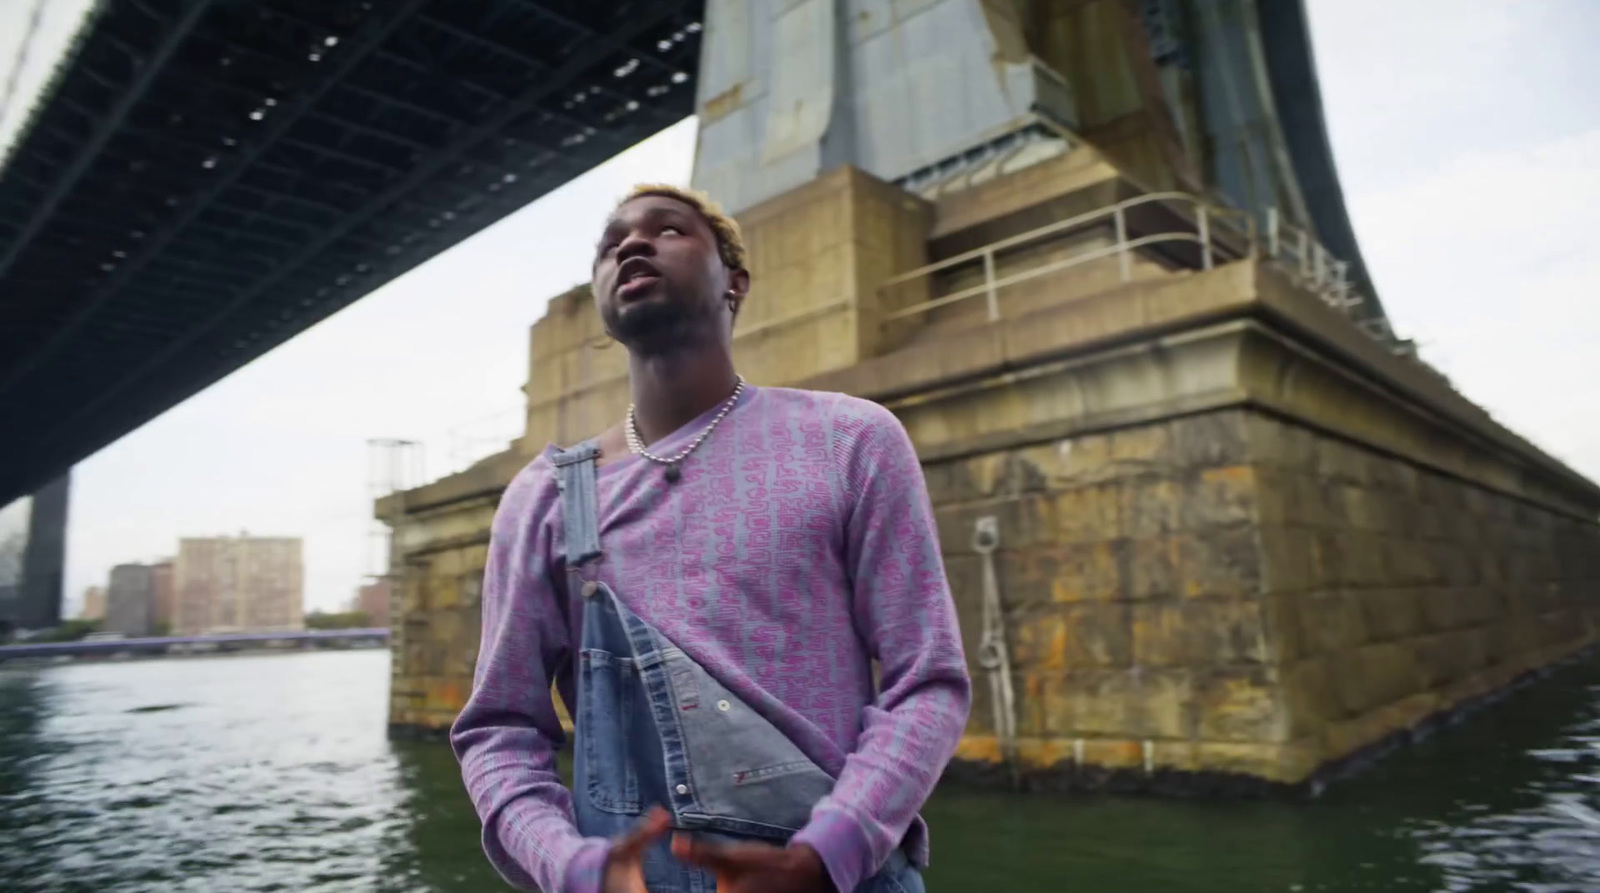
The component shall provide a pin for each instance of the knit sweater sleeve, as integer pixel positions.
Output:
(507, 734)
(903, 610)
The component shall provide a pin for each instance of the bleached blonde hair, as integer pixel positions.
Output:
(730, 242)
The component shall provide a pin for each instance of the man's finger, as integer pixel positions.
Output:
(655, 824)
(698, 851)
(716, 855)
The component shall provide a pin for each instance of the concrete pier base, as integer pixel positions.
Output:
(1239, 539)
(1242, 542)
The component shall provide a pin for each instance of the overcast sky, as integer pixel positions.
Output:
(1467, 135)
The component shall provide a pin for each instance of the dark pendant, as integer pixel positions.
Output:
(672, 474)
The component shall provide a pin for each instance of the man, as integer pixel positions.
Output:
(708, 584)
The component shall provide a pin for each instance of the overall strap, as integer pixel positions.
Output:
(580, 504)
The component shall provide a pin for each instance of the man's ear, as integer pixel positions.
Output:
(738, 290)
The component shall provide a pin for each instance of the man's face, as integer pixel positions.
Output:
(658, 281)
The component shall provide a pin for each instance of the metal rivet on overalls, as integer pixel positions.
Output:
(590, 587)
(723, 706)
(683, 789)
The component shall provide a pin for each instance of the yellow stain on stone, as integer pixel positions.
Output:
(979, 749)
(1055, 657)
(1087, 572)
(444, 694)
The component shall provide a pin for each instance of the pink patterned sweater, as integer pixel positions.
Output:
(798, 546)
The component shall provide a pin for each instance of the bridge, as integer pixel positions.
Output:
(180, 644)
(204, 180)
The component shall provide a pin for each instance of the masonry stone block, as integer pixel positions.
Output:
(1146, 447)
(1151, 509)
(1423, 522)
(1079, 461)
(1220, 561)
(1242, 704)
(1485, 605)
(966, 588)
(1392, 475)
(1446, 657)
(1058, 715)
(1197, 633)
(1088, 514)
(1461, 527)
(1340, 462)
(1272, 762)
(1151, 567)
(1273, 443)
(1310, 695)
(1091, 634)
(1022, 588)
(1327, 561)
(1388, 670)
(1358, 506)
(1114, 753)
(1331, 622)
(1444, 608)
(1163, 704)
(1212, 440)
(1390, 613)
(1366, 729)
(1455, 565)
(1290, 561)
(1292, 497)
(1025, 522)
(1280, 614)
(1077, 572)
(1138, 702)
(1219, 496)
(1096, 702)
(1363, 557)
(1098, 634)
(1031, 703)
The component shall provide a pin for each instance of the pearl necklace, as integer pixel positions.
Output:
(636, 442)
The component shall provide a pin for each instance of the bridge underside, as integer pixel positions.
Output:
(207, 179)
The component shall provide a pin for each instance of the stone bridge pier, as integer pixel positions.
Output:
(1094, 256)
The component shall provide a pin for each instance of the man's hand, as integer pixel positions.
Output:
(624, 871)
(756, 867)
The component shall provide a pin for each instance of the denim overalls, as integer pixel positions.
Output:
(653, 727)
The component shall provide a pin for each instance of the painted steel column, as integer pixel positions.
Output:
(791, 88)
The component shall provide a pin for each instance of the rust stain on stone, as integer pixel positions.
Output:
(721, 104)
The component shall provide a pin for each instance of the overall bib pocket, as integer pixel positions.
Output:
(608, 686)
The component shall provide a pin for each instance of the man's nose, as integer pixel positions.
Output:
(635, 244)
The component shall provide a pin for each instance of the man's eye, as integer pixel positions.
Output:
(669, 228)
(607, 248)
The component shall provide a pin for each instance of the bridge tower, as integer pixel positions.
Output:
(1204, 514)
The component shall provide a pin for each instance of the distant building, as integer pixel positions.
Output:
(128, 601)
(373, 601)
(94, 604)
(163, 595)
(241, 583)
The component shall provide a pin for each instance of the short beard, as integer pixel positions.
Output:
(655, 328)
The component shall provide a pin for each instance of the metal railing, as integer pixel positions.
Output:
(1288, 247)
(1202, 235)
(1309, 264)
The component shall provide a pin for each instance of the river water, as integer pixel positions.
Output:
(273, 773)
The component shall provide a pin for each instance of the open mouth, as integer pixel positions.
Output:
(637, 286)
(635, 277)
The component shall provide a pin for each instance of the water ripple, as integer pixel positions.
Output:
(260, 774)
